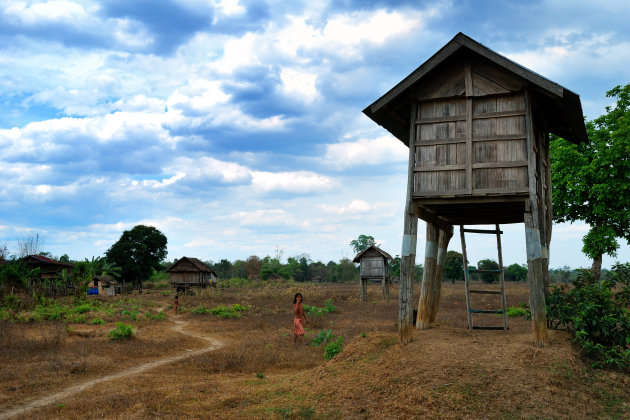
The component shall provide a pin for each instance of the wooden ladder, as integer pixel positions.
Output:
(467, 272)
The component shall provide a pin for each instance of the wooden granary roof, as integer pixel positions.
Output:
(357, 259)
(184, 264)
(560, 107)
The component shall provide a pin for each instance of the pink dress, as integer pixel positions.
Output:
(298, 328)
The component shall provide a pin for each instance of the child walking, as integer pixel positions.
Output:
(300, 315)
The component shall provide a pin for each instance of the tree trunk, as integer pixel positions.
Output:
(596, 268)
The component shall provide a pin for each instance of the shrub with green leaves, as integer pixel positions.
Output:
(516, 311)
(333, 348)
(121, 331)
(158, 316)
(592, 312)
(315, 311)
(322, 337)
(234, 311)
(96, 321)
(132, 315)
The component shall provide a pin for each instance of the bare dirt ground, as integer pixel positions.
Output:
(446, 372)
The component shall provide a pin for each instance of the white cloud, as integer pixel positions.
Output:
(300, 182)
(299, 84)
(207, 169)
(379, 151)
(61, 11)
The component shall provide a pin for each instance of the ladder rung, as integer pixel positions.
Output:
(487, 292)
(474, 270)
(494, 232)
(488, 328)
(486, 311)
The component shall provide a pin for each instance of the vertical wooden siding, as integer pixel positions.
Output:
(498, 153)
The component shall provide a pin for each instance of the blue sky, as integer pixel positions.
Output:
(235, 127)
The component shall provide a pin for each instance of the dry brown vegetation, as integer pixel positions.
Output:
(446, 372)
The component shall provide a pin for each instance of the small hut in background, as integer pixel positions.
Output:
(189, 272)
(49, 269)
(105, 286)
(373, 266)
(477, 126)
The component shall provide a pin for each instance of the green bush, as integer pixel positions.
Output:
(96, 321)
(132, 315)
(83, 308)
(323, 336)
(158, 316)
(333, 348)
(121, 331)
(75, 318)
(315, 311)
(522, 310)
(235, 311)
(595, 317)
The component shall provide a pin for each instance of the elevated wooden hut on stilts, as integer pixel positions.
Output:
(477, 125)
(373, 266)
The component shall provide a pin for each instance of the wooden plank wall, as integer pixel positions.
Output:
(372, 267)
(473, 142)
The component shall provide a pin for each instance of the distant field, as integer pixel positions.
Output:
(256, 371)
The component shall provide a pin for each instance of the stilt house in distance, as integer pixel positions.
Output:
(373, 266)
(191, 272)
(477, 126)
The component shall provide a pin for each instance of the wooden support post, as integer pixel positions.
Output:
(410, 233)
(362, 289)
(445, 238)
(536, 282)
(407, 264)
(384, 281)
(428, 291)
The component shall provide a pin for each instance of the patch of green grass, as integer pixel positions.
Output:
(315, 311)
(514, 312)
(122, 331)
(96, 321)
(235, 311)
(76, 318)
(158, 316)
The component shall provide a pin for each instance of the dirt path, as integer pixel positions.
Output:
(58, 396)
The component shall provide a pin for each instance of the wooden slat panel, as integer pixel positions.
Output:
(439, 168)
(484, 86)
(517, 164)
(497, 75)
(498, 179)
(444, 181)
(500, 114)
(500, 151)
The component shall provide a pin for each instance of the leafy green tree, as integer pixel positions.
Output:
(14, 273)
(394, 267)
(223, 269)
(345, 271)
(418, 271)
(362, 243)
(138, 252)
(591, 182)
(516, 272)
(488, 265)
(453, 266)
(304, 271)
(239, 269)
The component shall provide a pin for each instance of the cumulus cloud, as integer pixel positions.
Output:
(379, 151)
(300, 182)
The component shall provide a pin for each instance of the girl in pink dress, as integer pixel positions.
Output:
(300, 315)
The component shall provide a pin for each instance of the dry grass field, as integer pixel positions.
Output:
(253, 370)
